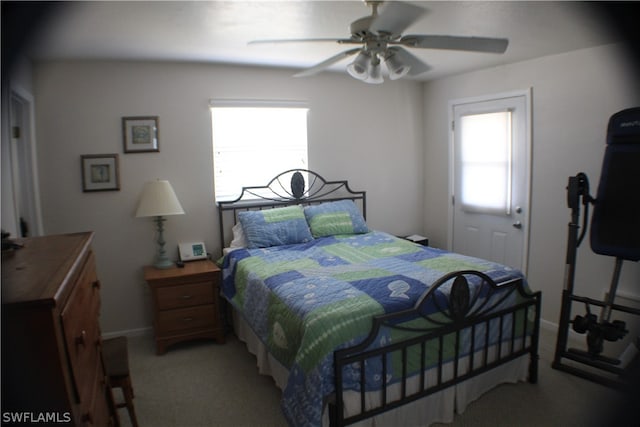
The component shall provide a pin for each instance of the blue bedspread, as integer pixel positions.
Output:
(304, 301)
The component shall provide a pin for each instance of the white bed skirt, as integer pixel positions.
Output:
(436, 408)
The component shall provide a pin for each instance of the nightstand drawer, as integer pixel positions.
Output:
(183, 319)
(169, 297)
(185, 303)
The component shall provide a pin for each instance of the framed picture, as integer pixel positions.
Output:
(100, 172)
(140, 134)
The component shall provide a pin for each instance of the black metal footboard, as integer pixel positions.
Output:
(463, 326)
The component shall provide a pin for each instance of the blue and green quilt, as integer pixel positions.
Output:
(306, 300)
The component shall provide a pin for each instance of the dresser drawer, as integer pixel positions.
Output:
(82, 331)
(188, 295)
(186, 319)
(94, 409)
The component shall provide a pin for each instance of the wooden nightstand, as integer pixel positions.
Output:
(185, 303)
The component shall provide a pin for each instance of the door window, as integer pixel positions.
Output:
(485, 162)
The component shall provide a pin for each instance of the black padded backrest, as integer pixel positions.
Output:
(615, 226)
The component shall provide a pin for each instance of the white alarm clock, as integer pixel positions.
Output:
(192, 251)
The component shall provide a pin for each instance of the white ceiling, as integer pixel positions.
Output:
(218, 31)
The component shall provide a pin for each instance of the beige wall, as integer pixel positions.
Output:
(391, 140)
(573, 96)
(370, 135)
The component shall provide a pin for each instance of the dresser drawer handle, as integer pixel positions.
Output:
(80, 339)
(187, 296)
(187, 319)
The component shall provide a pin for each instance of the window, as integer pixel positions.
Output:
(486, 162)
(254, 141)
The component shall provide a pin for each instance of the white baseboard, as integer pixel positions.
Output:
(548, 326)
(552, 328)
(129, 333)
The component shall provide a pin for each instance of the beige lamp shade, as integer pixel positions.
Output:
(158, 199)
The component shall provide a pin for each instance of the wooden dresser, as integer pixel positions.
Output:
(51, 348)
(185, 302)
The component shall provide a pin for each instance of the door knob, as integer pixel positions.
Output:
(517, 224)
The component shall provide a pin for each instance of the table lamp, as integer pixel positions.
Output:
(159, 200)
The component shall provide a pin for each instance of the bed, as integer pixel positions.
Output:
(357, 326)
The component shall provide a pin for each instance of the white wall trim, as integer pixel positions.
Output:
(549, 326)
(266, 103)
(572, 337)
(139, 332)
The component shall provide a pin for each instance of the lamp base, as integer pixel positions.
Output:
(163, 264)
(162, 261)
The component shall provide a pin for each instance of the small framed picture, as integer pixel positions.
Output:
(100, 172)
(140, 134)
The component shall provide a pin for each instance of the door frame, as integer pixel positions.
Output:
(527, 93)
(24, 162)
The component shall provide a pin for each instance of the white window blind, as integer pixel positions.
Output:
(254, 141)
(486, 162)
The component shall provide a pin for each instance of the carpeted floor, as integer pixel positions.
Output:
(207, 384)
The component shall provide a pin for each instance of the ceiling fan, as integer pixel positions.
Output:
(380, 38)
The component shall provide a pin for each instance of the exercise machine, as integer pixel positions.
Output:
(615, 232)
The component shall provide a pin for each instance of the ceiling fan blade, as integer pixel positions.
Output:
(416, 64)
(273, 41)
(396, 17)
(473, 44)
(326, 63)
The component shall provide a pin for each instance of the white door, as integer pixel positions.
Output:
(491, 170)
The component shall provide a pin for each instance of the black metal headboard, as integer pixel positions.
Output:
(292, 187)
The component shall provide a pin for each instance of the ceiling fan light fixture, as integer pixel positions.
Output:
(374, 72)
(396, 66)
(358, 69)
(379, 37)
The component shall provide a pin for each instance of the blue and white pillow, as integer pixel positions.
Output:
(334, 218)
(275, 227)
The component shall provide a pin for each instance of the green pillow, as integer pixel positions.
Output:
(334, 218)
